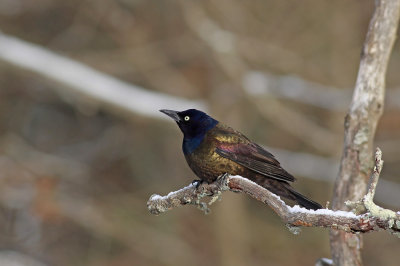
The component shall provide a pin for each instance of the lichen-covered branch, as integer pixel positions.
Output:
(366, 204)
(191, 194)
(360, 124)
(293, 217)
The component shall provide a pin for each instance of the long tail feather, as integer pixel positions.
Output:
(304, 201)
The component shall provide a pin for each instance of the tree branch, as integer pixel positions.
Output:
(294, 217)
(360, 124)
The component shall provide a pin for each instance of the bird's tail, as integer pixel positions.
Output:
(304, 201)
(283, 189)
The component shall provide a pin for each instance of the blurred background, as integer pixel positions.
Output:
(81, 151)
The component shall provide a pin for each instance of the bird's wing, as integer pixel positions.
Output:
(251, 155)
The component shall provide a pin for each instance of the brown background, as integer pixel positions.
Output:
(74, 178)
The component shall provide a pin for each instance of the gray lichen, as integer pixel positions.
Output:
(294, 229)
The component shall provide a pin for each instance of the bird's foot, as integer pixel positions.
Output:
(226, 175)
(197, 183)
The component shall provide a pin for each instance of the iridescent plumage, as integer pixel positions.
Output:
(212, 149)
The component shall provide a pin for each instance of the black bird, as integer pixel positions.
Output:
(212, 149)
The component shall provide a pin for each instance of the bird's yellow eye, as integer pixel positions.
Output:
(187, 118)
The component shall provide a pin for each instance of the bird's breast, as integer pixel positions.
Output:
(208, 165)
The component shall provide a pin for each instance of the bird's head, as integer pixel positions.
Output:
(193, 123)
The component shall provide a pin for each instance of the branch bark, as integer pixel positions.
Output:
(360, 125)
(294, 217)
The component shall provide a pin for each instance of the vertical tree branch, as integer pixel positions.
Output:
(360, 124)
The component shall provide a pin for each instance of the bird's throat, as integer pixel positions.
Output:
(194, 135)
(190, 145)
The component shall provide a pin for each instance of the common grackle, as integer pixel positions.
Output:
(212, 149)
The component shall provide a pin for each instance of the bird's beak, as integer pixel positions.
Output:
(173, 114)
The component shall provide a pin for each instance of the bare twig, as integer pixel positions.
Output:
(375, 174)
(360, 125)
(293, 217)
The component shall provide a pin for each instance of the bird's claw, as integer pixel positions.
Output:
(196, 183)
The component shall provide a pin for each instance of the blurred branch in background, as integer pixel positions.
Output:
(96, 87)
(13, 258)
(111, 91)
(299, 90)
(297, 124)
